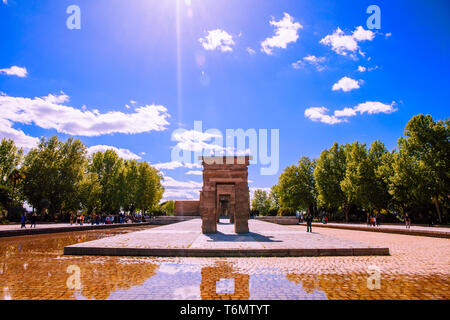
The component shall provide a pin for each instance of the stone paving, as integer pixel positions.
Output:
(186, 239)
(34, 267)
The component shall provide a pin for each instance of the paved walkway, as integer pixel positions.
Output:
(438, 232)
(185, 239)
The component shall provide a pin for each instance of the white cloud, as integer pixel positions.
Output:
(21, 139)
(50, 113)
(346, 112)
(251, 51)
(122, 153)
(170, 182)
(175, 165)
(217, 40)
(346, 84)
(374, 107)
(168, 165)
(364, 69)
(362, 35)
(369, 107)
(196, 141)
(181, 190)
(286, 31)
(347, 44)
(14, 70)
(319, 114)
(181, 194)
(317, 62)
(193, 165)
(195, 172)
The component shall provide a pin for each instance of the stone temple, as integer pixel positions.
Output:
(225, 193)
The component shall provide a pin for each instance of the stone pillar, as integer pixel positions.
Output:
(242, 209)
(208, 210)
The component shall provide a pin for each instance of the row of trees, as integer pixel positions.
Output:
(60, 177)
(356, 181)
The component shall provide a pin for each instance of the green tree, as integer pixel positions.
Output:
(109, 169)
(274, 199)
(357, 182)
(53, 171)
(10, 159)
(261, 202)
(379, 197)
(168, 207)
(427, 143)
(329, 173)
(15, 179)
(150, 189)
(89, 193)
(297, 186)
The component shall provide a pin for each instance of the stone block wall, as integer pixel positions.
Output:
(187, 208)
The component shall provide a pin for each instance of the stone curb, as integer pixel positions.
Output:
(219, 253)
(423, 233)
(28, 232)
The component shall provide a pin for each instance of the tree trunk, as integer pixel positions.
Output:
(346, 211)
(438, 209)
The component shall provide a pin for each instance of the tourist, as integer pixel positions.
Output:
(326, 219)
(374, 221)
(430, 220)
(378, 220)
(33, 220)
(23, 219)
(407, 221)
(309, 220)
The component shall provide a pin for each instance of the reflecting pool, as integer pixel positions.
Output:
(34, 267)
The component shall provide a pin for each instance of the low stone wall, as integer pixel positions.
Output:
(57, 229)
(423, 233)
(163, 220)
(187, 208)
(279, 220)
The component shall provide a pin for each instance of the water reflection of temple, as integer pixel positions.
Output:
(213, 276)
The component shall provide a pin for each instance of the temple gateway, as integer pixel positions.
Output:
(225, 193)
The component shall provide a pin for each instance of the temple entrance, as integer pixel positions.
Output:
(224, 206)
(225, 193)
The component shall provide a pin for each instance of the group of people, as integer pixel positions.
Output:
(373, 221)
(103, 219)
(23, 220)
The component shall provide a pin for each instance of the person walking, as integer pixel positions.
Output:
(33, 220)
(309, 220)
(23, 220)
(407, 222)
(374, 221)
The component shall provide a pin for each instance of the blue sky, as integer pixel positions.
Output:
(138, 70)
